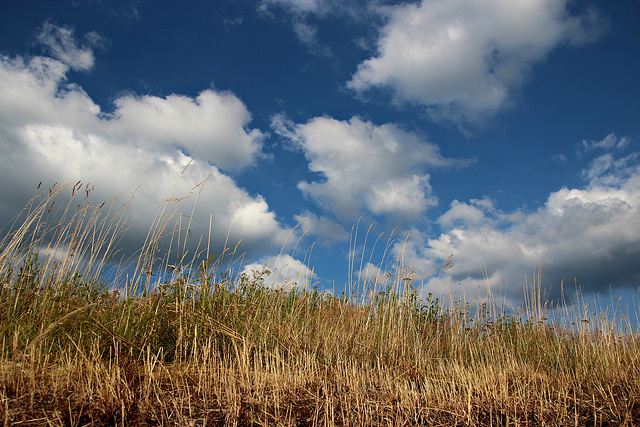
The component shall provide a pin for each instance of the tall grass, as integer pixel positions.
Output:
(197, 345)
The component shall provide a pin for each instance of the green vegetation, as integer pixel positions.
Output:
(205, 347)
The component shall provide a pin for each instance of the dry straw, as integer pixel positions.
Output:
(188, 343)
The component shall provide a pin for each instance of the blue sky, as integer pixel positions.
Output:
(505, 133)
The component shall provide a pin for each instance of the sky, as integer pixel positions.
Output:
(343, 142)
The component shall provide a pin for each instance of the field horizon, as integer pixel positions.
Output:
(186, 341)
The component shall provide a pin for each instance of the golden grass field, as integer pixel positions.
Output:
(208, 347)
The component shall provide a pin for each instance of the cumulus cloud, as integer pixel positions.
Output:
(326, 230)
(365, 168)
(590, 234)
(211, 127)
(463, 60)
(371, 274)
(37, 91)
(471, 213)
(62, 44)
(282, 272)
(51, 130)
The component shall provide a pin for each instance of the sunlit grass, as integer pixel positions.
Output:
(185, 342)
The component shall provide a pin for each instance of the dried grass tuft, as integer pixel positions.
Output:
(194, 345)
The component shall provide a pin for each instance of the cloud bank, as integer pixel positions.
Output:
(51, 130)
(586, 235)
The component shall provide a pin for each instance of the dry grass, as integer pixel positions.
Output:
(206, 348)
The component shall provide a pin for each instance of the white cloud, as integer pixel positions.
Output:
(305, 32)
(372, 275)
(211, 127)
(36, 91)
(591, 234)
(283, 272)
(609, 142)
(296, 5)
(607, 170)
(327, 230)
(559, 158)
(51, 130)
(464, 60)
(62, 45)
(472, 213)
(300, 13)
(411, 253)
(406, 195)
(364, 167)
